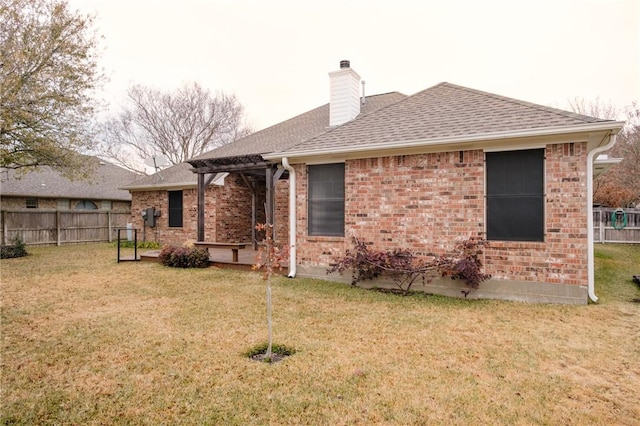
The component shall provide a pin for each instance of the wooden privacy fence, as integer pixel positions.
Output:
(621, 228)
(42, 227)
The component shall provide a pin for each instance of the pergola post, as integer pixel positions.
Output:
(201, 192)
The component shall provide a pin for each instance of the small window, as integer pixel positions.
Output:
(86, 205)
(326, 200)
(31, 203)
(515, 195)
(175, 209)
(106, 205)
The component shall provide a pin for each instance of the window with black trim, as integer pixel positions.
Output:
(175, 209)
(515, 195)
(31, 203)
(326, 199)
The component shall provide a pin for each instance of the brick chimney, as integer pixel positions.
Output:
(344, 99)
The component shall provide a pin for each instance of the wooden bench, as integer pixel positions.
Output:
(233, 246)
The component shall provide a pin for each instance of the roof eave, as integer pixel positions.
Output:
(64, 196)
(613, 126)
(159, 186)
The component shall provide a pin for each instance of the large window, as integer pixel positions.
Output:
(515, 195)
(175, 209)
(326, 200)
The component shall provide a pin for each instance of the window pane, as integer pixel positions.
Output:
(515, 218)
(326, 200)
(515, 195)
(175, 209)
(326, 217)
(86, 205)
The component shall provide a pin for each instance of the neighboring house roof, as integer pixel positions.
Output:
(444, 113)
(275, 138)
(45, 182)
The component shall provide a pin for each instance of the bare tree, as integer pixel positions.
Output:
(619, 186)
(179, 124)
(48, 75)
(597, 108)
(623, 179)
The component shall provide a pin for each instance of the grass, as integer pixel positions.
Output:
(86, 340)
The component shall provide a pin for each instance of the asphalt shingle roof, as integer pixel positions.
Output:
(174, 176)
(283, 136)
(440, 112)
(47, 183)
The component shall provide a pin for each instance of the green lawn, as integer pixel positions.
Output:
(86, 340)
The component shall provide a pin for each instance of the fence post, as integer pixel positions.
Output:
(5, 237)
(58, 228)
(109, 225)
(601, 226)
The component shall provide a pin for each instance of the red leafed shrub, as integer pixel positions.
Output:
(184, 257)
(404, 268)
(465, 263)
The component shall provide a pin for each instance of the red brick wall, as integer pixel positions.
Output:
(424, 203)
(141, 200)
(281, 214)
(428, 202)
(562, 257)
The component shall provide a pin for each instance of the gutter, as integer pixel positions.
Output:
(292, 217)
(590, 245)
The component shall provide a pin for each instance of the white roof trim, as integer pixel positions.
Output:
(160, 186)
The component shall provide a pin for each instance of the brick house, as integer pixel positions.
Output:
(420, 172)
(47, 189)
(234, 198)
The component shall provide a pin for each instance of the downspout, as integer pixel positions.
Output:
(292, 217)
(590, 246)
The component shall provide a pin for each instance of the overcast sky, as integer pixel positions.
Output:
(275, 55)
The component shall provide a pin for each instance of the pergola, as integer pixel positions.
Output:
(244, 165)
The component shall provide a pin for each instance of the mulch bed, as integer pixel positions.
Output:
(275, 357)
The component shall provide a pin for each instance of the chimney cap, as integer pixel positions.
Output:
(345, 63)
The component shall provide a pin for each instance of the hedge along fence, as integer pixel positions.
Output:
(621, 229)
(58, 227)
